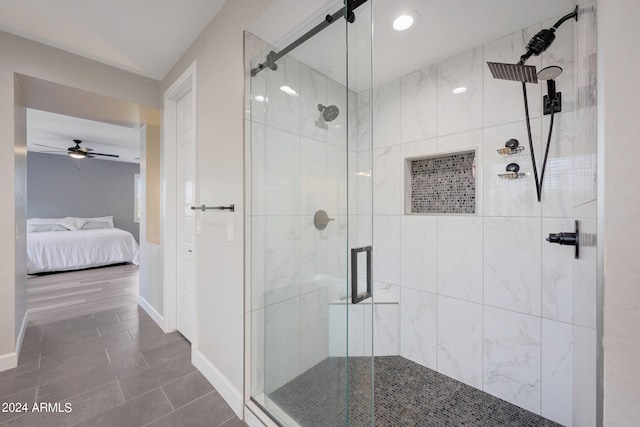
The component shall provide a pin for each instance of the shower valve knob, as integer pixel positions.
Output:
(562, 238)
(567, 239)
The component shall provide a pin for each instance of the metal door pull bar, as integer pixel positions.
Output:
(219, 208)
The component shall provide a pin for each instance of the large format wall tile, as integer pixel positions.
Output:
(283, 109)
(386, 329)
(460, 340)
(459, 112)
(282, 173)
(313, 91)
(557, 371)
(512, 264)
(386, 114)
(282, 260)
(258, 156)
(512, 357)
(557, 272)
(418, 331)
(387, 180)
(282, 341)
(313, 176)
(386, 248)
(314, 328)
(460, 243)
(419, 250)
(419, 105)
(558, 189)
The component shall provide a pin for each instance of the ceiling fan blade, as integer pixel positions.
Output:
(102, 154)
(48, 146)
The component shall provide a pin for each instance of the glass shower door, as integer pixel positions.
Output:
(311, 340)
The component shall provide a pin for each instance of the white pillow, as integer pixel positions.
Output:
(107, 219)
(72, 223)
(96, 225)
(38, 228)
(43, 221)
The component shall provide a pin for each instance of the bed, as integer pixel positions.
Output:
(61, 244)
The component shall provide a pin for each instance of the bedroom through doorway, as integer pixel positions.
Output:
(92, 203)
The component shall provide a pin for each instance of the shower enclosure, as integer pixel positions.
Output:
(398, 270)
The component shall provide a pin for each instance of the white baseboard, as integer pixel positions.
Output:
(157, 317)
(23, 329)
(8, 361)
(229, 393)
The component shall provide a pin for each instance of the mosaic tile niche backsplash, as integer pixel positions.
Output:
(444, 184)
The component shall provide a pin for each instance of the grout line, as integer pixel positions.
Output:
(168, 400)
(145, 360)
(226, 421)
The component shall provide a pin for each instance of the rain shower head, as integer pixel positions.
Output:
(515, 72)
(329, 113)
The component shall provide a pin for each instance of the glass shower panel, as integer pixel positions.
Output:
(311, 345)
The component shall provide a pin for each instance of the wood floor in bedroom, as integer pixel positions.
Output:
(94, 358)
(52, 297)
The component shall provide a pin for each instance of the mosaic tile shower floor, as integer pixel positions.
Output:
(406, 394)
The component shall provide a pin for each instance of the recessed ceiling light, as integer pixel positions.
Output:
(259, 98)
(459, 90)
(405, 20)
(288, 90)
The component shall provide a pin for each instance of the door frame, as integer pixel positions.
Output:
(168, 215)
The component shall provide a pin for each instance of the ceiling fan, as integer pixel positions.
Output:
(78, 152)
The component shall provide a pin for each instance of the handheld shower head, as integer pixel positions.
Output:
(549, 73)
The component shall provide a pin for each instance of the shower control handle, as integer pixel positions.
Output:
(567, 239)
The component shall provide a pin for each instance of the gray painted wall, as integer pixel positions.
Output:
(55, 189)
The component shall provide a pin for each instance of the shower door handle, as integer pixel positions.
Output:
(355, 298)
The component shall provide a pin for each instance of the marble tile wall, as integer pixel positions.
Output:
(484, 298)
(298, 165)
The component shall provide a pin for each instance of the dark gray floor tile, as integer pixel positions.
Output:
(53, 341)
(82, 407)
(121, 326)
(187, 389)
(87, 346)
(75, 384)
(26, 364)
(130, 314)
(234, 422)
(147, 328)
(135, 413)
(210, 410)
(159, 355)
(137, 384)
(105, 318)
(141, 343)
(72, 366)
(26, 397)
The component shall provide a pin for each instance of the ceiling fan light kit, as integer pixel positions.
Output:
(78, 152)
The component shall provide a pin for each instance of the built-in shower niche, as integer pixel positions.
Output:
(441, 184)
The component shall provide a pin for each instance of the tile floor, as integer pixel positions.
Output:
(115, 368)
(406, 394)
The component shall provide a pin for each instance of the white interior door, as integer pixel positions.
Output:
(186, 186)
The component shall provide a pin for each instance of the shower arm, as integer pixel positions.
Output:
(543, 39)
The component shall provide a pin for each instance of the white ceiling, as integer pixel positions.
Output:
(146, 37)
(57, 132)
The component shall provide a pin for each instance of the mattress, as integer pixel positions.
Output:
(71, 250)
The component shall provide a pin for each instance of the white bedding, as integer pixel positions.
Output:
(70, 250)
